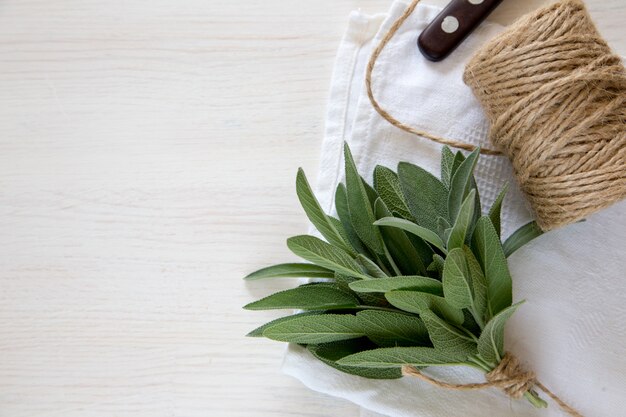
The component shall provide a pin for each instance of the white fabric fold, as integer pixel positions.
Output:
(572, 329)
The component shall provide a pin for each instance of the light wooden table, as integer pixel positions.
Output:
(147, 158)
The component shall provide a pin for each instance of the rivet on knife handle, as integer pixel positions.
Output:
(452, 26)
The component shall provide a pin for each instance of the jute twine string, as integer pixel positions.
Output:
(509, 376)
(384, 113)
(555, 95)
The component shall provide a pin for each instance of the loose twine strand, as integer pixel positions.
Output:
(509, 376)
(385, 114)
(555, 96)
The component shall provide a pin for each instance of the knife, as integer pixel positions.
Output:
(444, 34)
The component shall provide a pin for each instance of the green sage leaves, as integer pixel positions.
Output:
(411, 272)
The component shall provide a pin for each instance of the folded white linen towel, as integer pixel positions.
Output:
(571, 331)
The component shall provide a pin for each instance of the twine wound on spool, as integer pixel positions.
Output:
(509, 376)
(555, 96)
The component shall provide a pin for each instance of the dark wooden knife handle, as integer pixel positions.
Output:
(452, 26)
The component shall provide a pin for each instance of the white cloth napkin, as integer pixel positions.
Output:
(572, 329)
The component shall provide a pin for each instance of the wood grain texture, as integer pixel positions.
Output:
(148, 152)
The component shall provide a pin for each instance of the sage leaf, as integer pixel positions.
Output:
(458, 160)
(446, 234)
(424, 250)
(258, 332)
(370, 267)
(447, 162)
(521, 236)
(491, 341)
(293, 270)
(442, 226)
(402, 251)
(306, 297)
(437, 264)
(457, 285)
(425, 196)
(360, 206)
(372, 195)
(319, 284)
(316, 329)
(387, 185)
(477, 206)
(325, 255)
(416, 283)
(479, 287)
(462, 223)
(470, 324)
(488, 250)
(330, 353)
(344, 280)
(340, 229)
(341, 205)
(422, 232)
(461, 184)
(389, 329)
(400, 356)
(369, 299)
(495, 212)
(419, 302)
(447, 338)
(316, 215)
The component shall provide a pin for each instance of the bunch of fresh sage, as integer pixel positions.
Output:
(411, 273)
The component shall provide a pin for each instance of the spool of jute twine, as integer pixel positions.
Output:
(555, 96)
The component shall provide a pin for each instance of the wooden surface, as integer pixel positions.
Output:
(148, 151)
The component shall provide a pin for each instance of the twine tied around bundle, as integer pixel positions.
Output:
(510, 376)
(555, 96)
